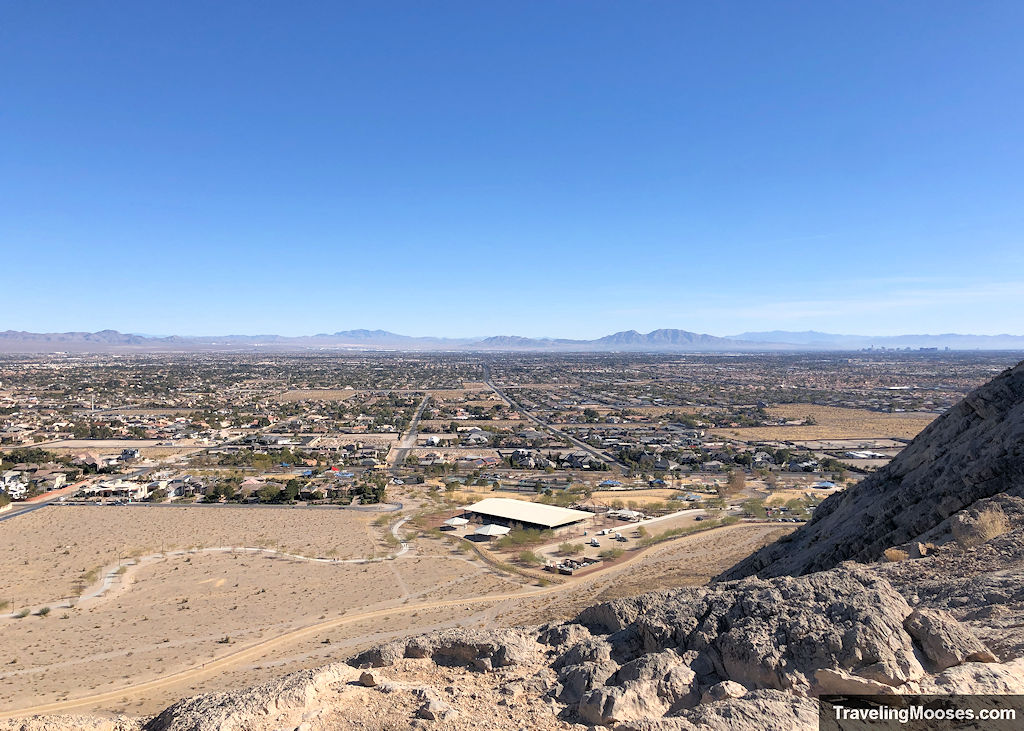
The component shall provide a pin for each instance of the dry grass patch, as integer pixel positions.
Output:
(640, 497)
(304, 394)
(990, 523)
(895, 555)
(833, 422)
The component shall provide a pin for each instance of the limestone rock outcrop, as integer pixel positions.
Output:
(491, 649)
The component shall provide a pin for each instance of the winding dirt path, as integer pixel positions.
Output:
(258, 649)
(110, 573)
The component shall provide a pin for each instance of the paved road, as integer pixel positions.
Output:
(22, 509)
(42, 501)
(372, 508)
(595, 453)
(409, 440)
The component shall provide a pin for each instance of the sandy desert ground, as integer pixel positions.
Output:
(210, 621)
(45, 554)
(834, 423)
(147, 447)
(172, 613)
(312, 394)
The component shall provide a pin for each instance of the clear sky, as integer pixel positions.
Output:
(540, 168)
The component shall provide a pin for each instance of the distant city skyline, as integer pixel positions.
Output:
(539, 169)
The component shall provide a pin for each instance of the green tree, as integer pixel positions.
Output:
(291, 490)
(755, 508)
(529, 558)
(268, 493)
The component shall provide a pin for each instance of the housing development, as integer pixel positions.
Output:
(415, 489)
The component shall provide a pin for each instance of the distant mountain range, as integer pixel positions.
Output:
(832, 341)
(656, 341)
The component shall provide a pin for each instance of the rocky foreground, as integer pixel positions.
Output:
(934, 603)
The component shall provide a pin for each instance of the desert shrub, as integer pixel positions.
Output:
(570, 549)
(611, 554)
(895, 555)
(522, 539)
(529, 558)
(990, 523)
(459, 545)
(43, 612)
(21, 613)
(671, 533)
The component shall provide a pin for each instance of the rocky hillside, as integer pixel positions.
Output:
(940, 614)
(972, 452)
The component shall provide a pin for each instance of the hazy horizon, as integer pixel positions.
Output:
(440, 335)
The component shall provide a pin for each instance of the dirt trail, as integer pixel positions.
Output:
(258, 649)
(109, 574)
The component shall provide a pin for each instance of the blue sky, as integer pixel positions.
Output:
(539, 168)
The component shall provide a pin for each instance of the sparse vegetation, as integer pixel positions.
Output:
(990, 523)
(895, 555)
(521, 538)
(529, 558)
(687, 530)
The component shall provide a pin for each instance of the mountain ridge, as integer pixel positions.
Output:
(662, 340)
(836, 341)
(970, 453)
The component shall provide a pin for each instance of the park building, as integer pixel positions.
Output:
(509, 512)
